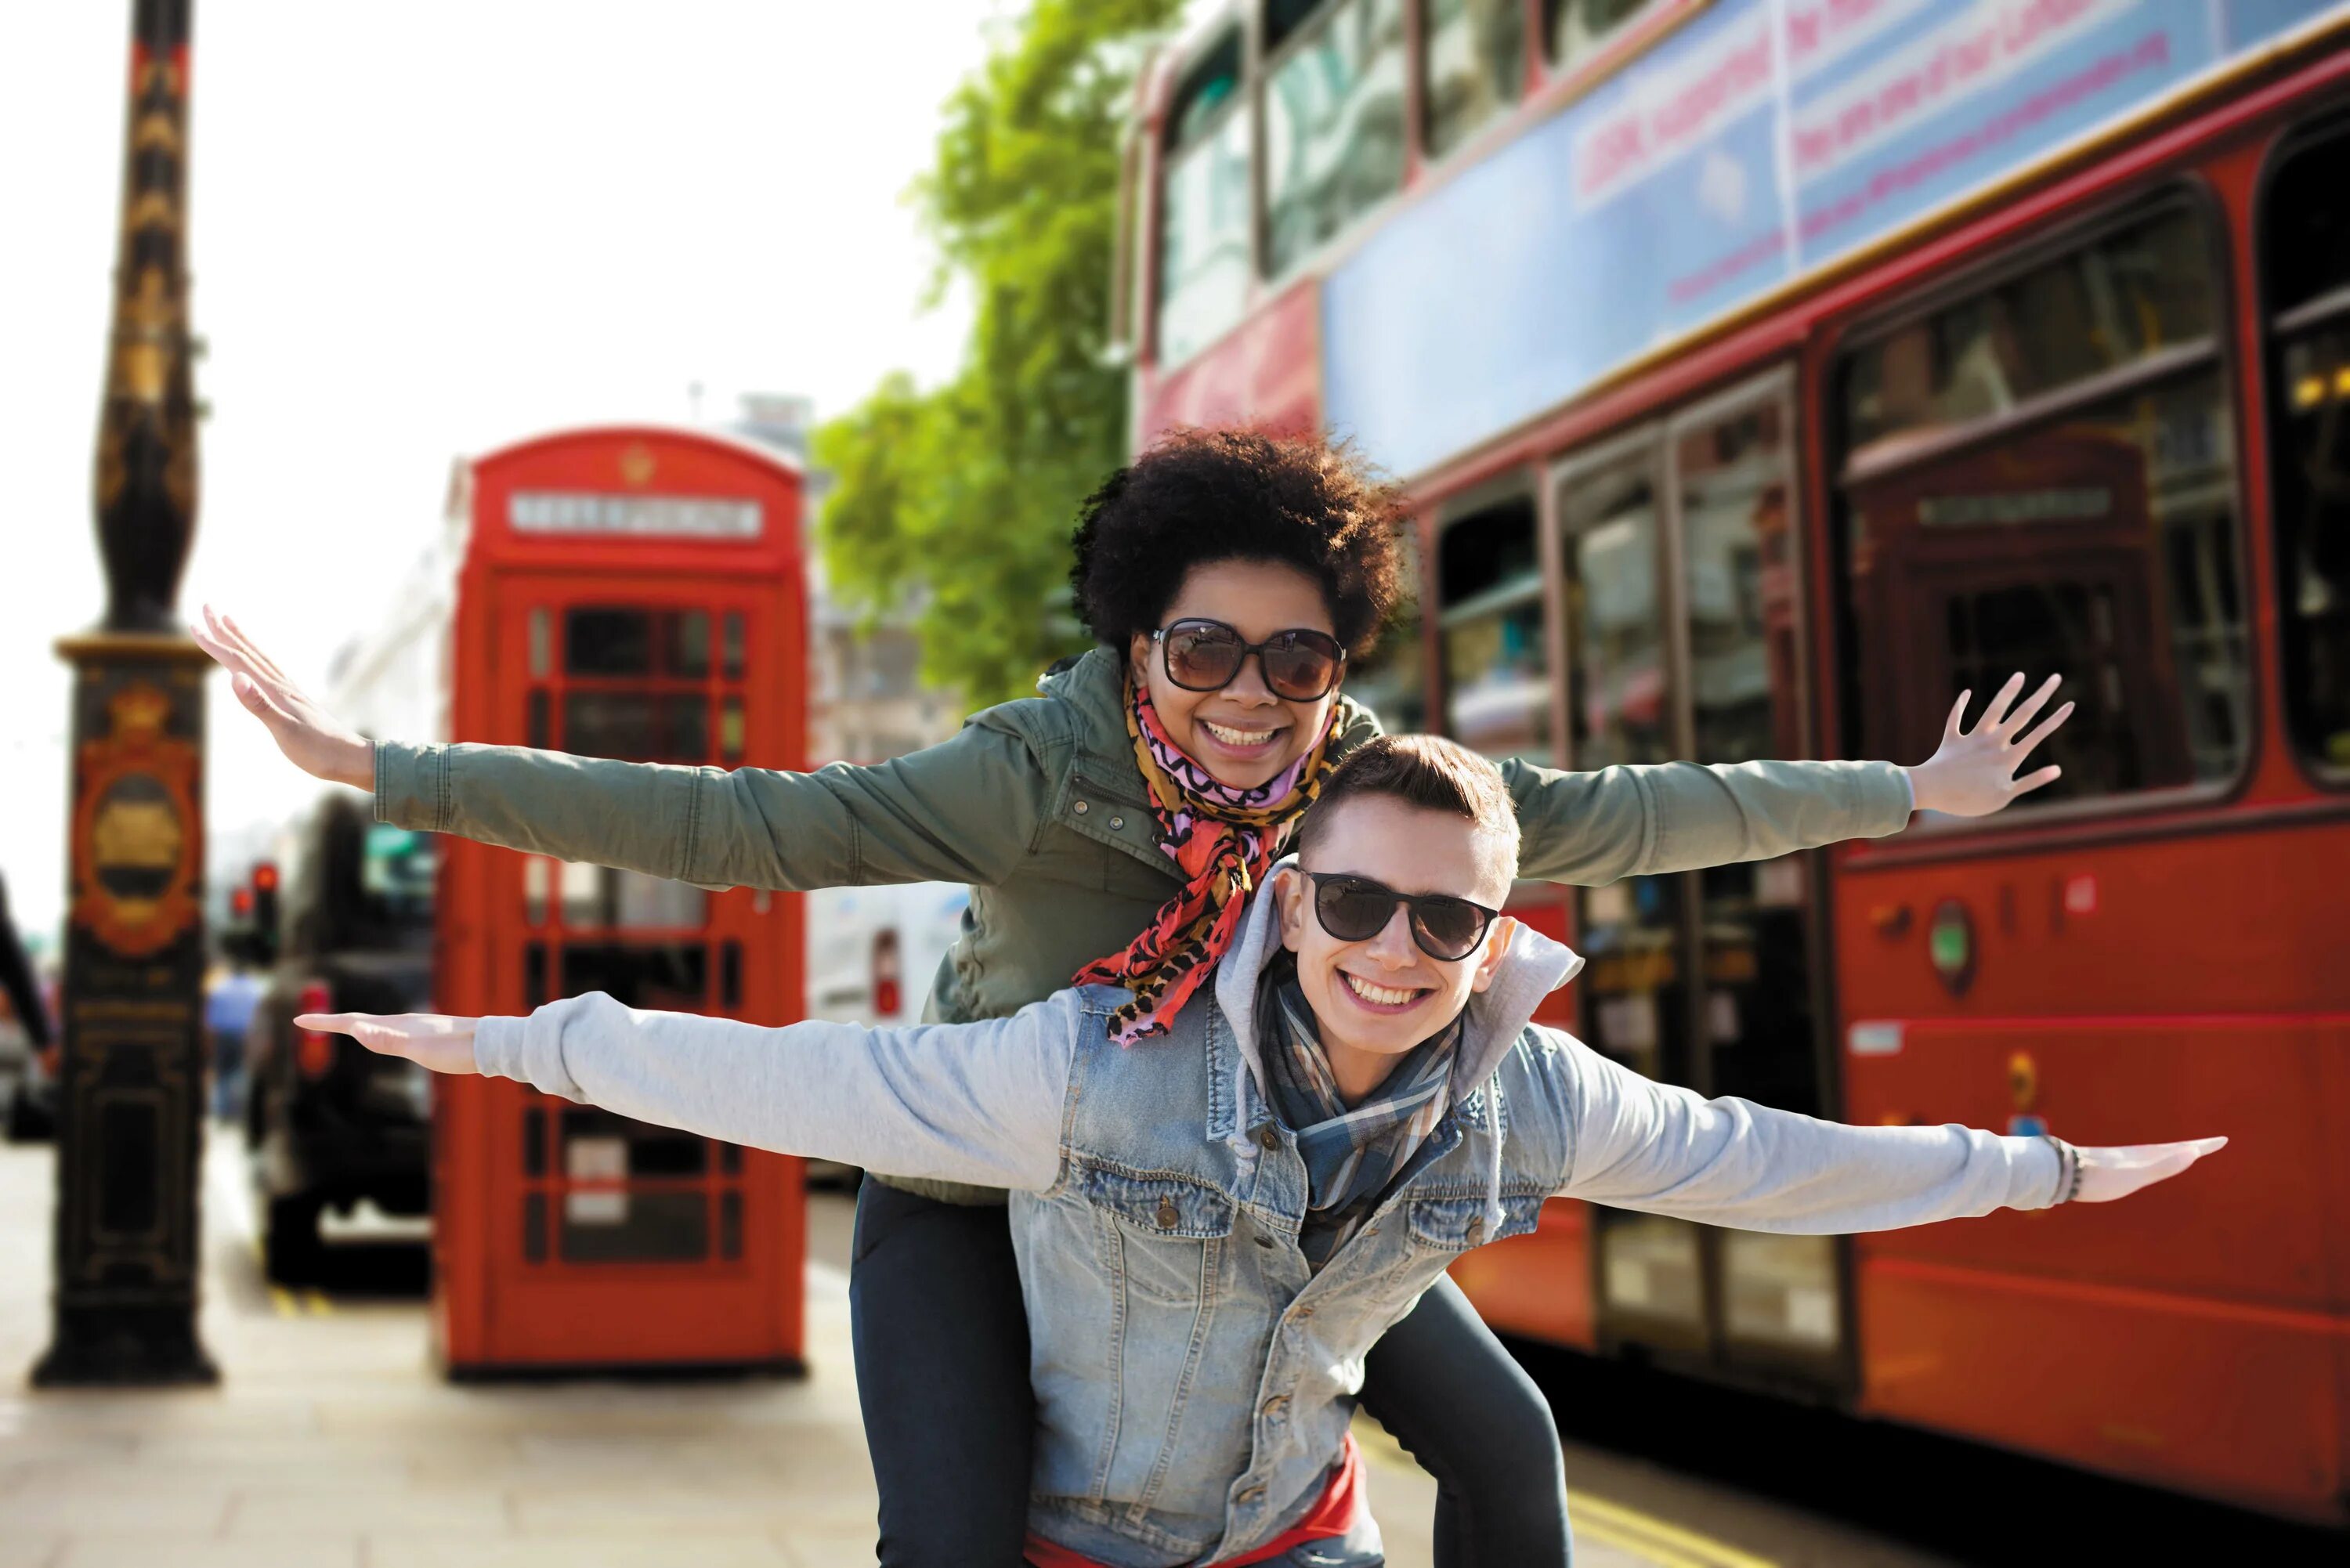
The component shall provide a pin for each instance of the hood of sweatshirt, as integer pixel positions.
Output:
(1533, 968)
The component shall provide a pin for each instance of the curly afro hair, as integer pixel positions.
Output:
(1201, 495)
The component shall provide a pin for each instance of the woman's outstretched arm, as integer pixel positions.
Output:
(966, 810)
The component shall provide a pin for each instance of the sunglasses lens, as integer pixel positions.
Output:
(1448, 927)
(1300, 669)
(1352, 912)
(1203, 657)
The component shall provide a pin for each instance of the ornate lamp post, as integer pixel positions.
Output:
(130, 1093)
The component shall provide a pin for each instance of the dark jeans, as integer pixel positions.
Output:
(941, 1342)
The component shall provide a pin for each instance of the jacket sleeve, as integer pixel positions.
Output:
(1639, 1144)
(1592, 828)
(965, 810)
(978, 1103)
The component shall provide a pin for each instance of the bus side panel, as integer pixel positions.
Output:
(1538, 1285)
(2197, 1392)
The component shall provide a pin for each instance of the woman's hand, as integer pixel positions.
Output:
(1973, 772)
(2110, 1173)
(312, 738)
(431, 1040)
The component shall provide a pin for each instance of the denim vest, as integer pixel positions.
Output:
(1194, 1382)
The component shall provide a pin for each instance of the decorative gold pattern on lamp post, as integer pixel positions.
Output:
(130, 1087)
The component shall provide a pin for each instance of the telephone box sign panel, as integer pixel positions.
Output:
(638, 516)
(1763, 139)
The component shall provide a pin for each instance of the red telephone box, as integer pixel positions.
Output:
(632, 593)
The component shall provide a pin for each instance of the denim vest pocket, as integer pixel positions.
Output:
(1170, 1229)
(1457, 1224)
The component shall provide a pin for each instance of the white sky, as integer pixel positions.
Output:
(420, 232)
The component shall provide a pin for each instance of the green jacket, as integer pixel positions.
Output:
(1039, 806)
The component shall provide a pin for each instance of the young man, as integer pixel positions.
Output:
(1213, 1227)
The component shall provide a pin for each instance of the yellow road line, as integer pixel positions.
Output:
(283, 1300)
(317, 1304)
(1610, 1523)
(1587, 1528)
(1585, 1508)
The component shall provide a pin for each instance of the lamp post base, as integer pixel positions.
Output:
(125, 1347)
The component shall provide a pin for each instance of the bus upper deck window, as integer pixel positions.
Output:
(1204, 210)
(1392, 679)
(1473, 55)
(2040, 476)
(1334, 121)
(1575, 28)
(2305, 257)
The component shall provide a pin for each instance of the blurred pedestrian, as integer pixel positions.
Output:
(230, 996)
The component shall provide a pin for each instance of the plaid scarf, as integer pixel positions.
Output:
(1352, 1155)
(1223, 839)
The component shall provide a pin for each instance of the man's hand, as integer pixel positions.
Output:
(312, 738)
(1973, 772)
(433, 1040)
(2110, 1173)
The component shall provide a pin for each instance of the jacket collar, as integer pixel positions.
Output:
(1534, 967)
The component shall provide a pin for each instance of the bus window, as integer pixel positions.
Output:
(1497, 671)
(1392, 682)
(2306, 256)
(1575, 28)
(2042, 477)
(1474, 61)
(1204, 210)
(1334, 121)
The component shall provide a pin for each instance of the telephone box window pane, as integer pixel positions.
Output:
(686, 634)
(584, 895)
(535, 879)
(735, 651)
(730, 731)
(608, 641)
(640, 902)
(534, 1140)
(536, 726)
(1334, 120)
(637, 726)
(1475, 54)
(730, 975)
(687, 730)
(666, 976)
(533, 1227)
(2101, 547)
(534, 975)
(542, 638)
(729, 1225)
(600, 1147)
(626, 1227)
(730, 1159)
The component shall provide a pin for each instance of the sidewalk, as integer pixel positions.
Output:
(332, 1443)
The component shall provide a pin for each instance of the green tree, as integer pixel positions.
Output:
(964, 495)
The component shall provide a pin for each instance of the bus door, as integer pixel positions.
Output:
(1677, 558)
(609, 1241)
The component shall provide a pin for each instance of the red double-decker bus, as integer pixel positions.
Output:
(1766, 373)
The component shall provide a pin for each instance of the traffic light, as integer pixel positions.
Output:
(265, 912)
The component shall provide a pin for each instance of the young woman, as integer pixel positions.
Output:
(1109, 827)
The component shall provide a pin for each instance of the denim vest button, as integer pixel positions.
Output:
(1476, 1230)
(1267, 1138)
(1168, 1218)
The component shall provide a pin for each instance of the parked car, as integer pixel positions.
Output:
(328, 1123)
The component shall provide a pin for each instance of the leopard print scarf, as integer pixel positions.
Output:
(1224, 839)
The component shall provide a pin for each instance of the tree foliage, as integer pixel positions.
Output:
(961, 498)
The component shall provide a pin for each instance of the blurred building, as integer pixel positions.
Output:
(866, 701)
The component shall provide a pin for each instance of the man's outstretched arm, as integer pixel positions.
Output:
(1639, 1144)
(979, 1103)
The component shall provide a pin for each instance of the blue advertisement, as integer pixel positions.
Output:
(1761, 139)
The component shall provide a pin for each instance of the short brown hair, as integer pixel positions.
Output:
(1426, 771)
(1202, 495)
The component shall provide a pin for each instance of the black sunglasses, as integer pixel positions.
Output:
(1356, 910)
(1206, 655)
